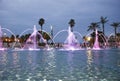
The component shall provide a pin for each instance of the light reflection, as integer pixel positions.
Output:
(31, 60)
(118, 62)
(15, 59)
(70, 62)
(3, 58)
(89, 57)
(70, 66)
(90, 67)
(52, 64)
(49, 63)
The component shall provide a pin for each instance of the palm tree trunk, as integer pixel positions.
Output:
(41, 31)
(94, 29)
(115, 31)
(71, 29)
(116, 36)
(103, 29)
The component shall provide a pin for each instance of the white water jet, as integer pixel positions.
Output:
(71, 43)
(32, 43)
(96, 43)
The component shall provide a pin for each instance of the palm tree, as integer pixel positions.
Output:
(41, 22)
(115, 25)
(93, 26)
(103, 20)
(71, 23)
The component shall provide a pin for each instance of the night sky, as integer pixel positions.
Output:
(19, 15)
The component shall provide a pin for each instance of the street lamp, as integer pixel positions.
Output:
(51, 34)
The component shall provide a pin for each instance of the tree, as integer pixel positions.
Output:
(115, 25)
(71, 23)
(93, 26)
(45, 36)
(103, 20)
(41, 22)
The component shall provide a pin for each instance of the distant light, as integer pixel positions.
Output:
(51, 28)
(88, 38)
(59, 80)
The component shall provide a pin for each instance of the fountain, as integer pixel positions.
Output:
(32, 43)
(104, 44)
(71, 43)
(96, 43)
(1, 40)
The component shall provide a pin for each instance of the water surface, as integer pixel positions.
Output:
(60, 65)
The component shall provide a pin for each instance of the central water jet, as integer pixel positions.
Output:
(32, 42)
(71, 43)
(96, 43)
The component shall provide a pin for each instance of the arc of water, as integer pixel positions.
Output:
(75, 32)
(20, 36)
(110, 35)
(104, 39)
(34, 40)
(49, 36)
(11, 33)
(59, 33)
(34, 37)
(89, 33)
(71, 37)
(25, 31)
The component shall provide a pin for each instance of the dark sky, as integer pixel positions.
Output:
(19, 15)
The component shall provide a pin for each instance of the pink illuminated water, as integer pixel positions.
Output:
(32, 43)
(71, 42)
(1, 42)
(96, 43)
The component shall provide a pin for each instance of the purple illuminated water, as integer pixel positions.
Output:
(71, 42)
(32, 43)
(96, 43)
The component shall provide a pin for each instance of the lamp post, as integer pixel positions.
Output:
(51, 34)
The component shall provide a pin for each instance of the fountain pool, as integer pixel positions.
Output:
(59, 65)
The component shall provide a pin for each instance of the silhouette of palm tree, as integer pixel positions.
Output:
(93, 26)
(115, 25)
(71, 23)
(103, 20)
(41, 22)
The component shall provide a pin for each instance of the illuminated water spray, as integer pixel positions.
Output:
(96, 43)
(32, 42)
(71, 39)
(71, 43)
(1, 43)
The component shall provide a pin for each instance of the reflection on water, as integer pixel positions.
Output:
(56, 65)
(49, 64)
(90, 69)
(118, 62)
(102, 66)
(70, 62)
(15, 58)
(3, 59)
